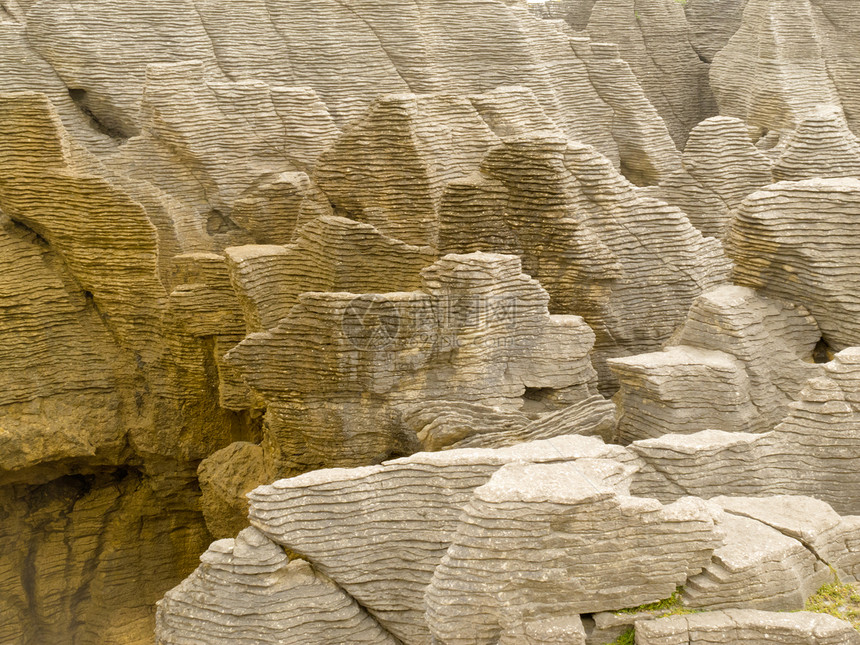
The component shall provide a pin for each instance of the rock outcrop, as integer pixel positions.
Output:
(736, 364)
(249, 241)
(478, 331)
(785, 59)
(548, 515)
(268, 599)
(818, 438)
(747, 626)
(380, 531)
(782, 243)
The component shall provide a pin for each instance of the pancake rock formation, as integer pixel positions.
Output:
(311, 313)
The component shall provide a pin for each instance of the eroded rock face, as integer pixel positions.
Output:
(380, 531)
(548, 514)
(735, 365)
(818, 437)
(478, 331)
(783, 244)
(241, 241)
(785, 59)
(270, 599)
(653, 38)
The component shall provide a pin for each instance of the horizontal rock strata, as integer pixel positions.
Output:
(247, 591)
(380, 531)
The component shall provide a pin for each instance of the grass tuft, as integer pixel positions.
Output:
(839, 600)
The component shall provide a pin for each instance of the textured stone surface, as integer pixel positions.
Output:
(224, 230)
(721, 157)
(782, 243)
(652, 36)
(736, 364)
(747, 626)
(341, 369)
(548, 514)
(786, 58)
(756, 567)
(818, 439)
(380, 531)
(712, 23)
(586, 234)
(827, 535)
(267, 598)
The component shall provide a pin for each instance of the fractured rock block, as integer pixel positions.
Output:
(757, 567)
(389, 168)
(247, 590)
(447, 425)
(735, 365)
(747, 626)
(380, 531)
(783, 244)
(813, 452)
(554, 540)
(828, 536)
(327, 254)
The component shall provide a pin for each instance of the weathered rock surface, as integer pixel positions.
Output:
(747, 626)
(380, 531)
(756, 567)
(712, 23)
(821, 146)
(829, 537)
(600, 249)
(818, 438)
(721, 156)
(340, 370)
(785, 59)
(84, 558)
(221, 226)
(652, 36)
(548, 515)
(783, 244)
(736, 364)
(247, 591)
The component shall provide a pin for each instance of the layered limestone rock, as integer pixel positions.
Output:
(548, 514)
(831, 538)
(327, 254)
(821, 146)
(84, 558)
(736, 364)
(818, 437)
(721, 156)
(406, 47)
(451, 424)
(756, 567)
(783, 244)
(380, 531)
(247, 590)
(712, 23)
(785, 59)
(747, 626)
(652, 36)
(338, 373)
(586, 234)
